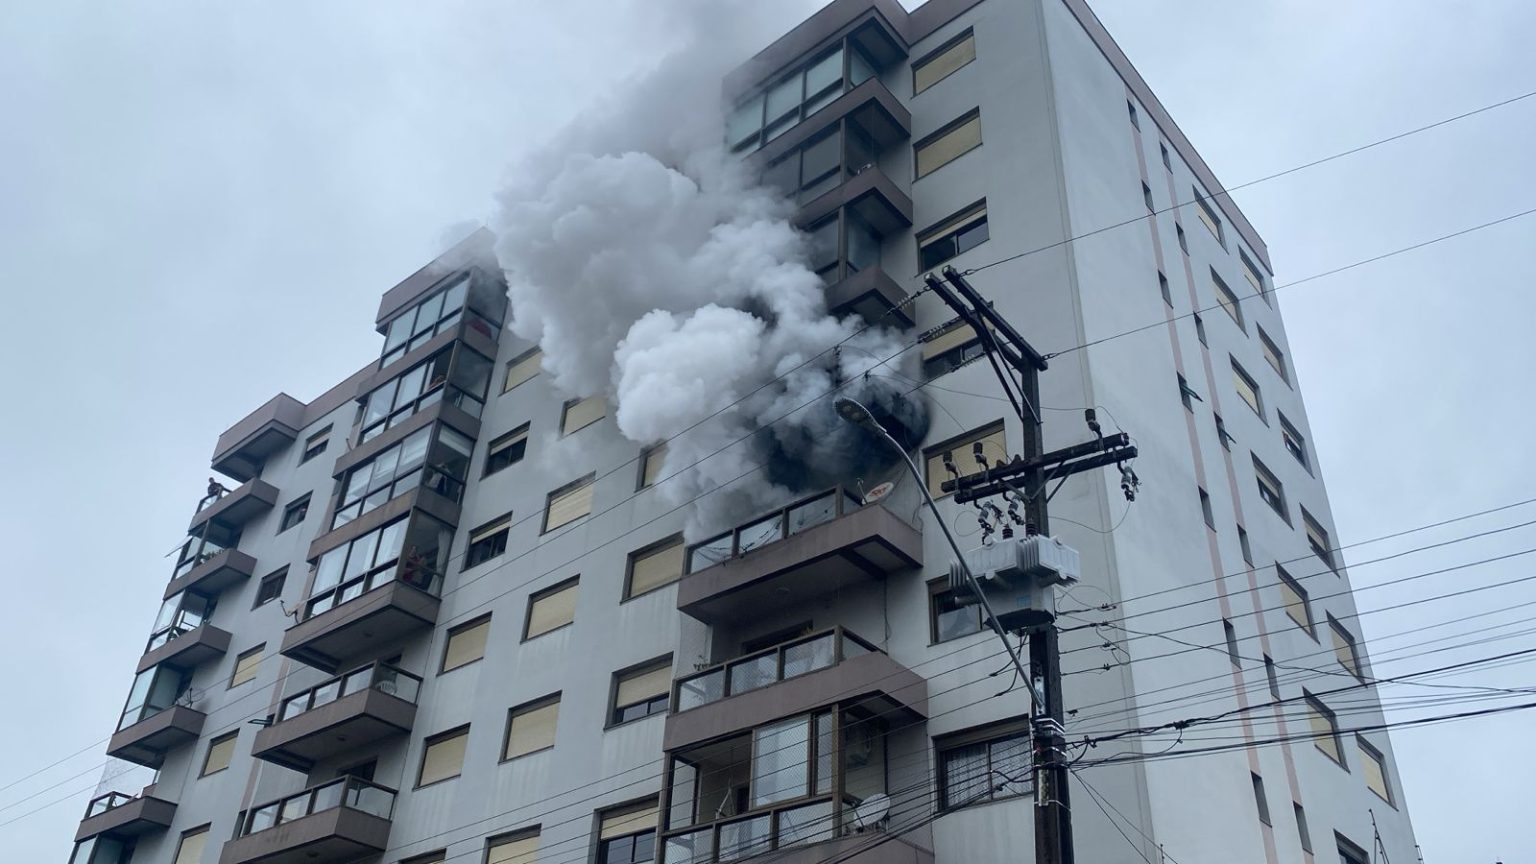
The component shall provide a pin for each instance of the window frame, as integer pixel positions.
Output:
(565, 411)
(647, 551)
(646, 454)
(488, 532)
(508, 837)
(1245, 545)
(617, 679)
(1162, 285)
(1261, 799)
(299, 504)
(1280, 506)
(526, 708)
(310, 449)
(641, 805)
(1273, 678)
(968, 218)
(1304, 834)
(1294, 443)
(939, 53)
(456, 630)
(1228, 300)
(990, 734)
(954, 444)
(1286, 580)
(1316, 708)
(280, 576)
(1273, 355)
(573, 582)
(938, 588)
(181, 842)
(938, 135)
(1322, 545)
(232, 738)
(502, 443)
(432, 741)
(1206, 510)
(1342, 635)
(1209, 216)
(588, 481)
(259, 653)
(1369, 755)
(531, 354)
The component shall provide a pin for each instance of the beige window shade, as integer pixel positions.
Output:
(466, 645)
(949, 340)
(246, 667)
(583, 413)
(939, 66)
(655, 458)
(1344, 648)
(1208, 216)
(220, 751)
(518, 850)
(628, 820)
(444, 758)
(507, 441)
(1375, 771)
(552, 610)
(192, 845)
(993, 448)
(1252, 276)
(655, 568)
(1295, 603)
(522, 369)
(532, 729)
(1247, 390)
(1317, 538)
(643, 685)
(1227, 299)
(944, 230)
(949, 145)
(486, 531)
(568, 505)
(1323, 729)
(1272, 354)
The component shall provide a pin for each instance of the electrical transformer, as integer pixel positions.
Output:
(1019, 576)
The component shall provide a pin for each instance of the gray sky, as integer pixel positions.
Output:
(200, 204)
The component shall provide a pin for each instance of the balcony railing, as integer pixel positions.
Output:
(778, 525)
(378, 676)
(797, 823)
(350, 792)
(109, 801)
(423, 579)
(770, 666)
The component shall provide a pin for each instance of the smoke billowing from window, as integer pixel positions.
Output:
(652, 268)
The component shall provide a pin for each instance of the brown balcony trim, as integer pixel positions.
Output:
(355, 720)
(450, 414)
(146, 741)
(227, 568)
(189, 649)
(142, 815)
(368, 625)
(244, 446)
(425, 500)
(871, 193)
(476, 247)
(831, 23)
(460, 332)
(853, 680)
(871, 283)
(871, 95)
(328, 837)
(237, 507)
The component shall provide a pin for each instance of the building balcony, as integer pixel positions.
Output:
(358, 709)
(123, 816)
(811, 548)
(870, 105)
(795, 677)
(361, 617)
(242, 449)
(869, 194)
(185, 648)
(153, 732)
(211, 571)
(223, 517)
(339, 821)
(872, 295)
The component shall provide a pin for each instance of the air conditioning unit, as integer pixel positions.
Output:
(1019, 576)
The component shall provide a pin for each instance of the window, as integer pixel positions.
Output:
(1273, 355)
(581, 413)
(1243, 543)
(458, 376)
(1186, 395)
(959, 233)
(1228, 301)
(315, 444)
(1293, 598)
(1252, 274)
(1270, 489)
(948, 618)
(551, 609)
(1294, 443)
(1325, 729)
(950, 348)
(568, 503)
(627, 835)
(437, 313)
(1260, 798)
(652, 460)
(1344, 647)
(1167, 161)
(531, 727)
(1146, 198)
(1207, 214)
(220, 751)
(1272, 677)
(1162, 285)
(944, 60)
(1205, 509)
(1301, 828)
(190, 850)
(154, 690)
(271, 587)
(641, 691)
(443, 757)
(985, 766)
(1200, 330)
(1317, 539)
(519, 848)
(1349, 853)
(1131, 107)
(437, 857)
(1247, 389)
(1183, 241)
(488, 541)
(246, 666)
(948, 144)
(1223, 435)
(1375, 766)
(961, 453)
(784, 103)
(522, 368)
(1230, 633)
(373, 560)
(466, 643)
(654, 566)
(437, 462)
(506, 450)
(294, 514)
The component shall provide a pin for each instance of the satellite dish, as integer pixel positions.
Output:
(878, 492)
(871, 811)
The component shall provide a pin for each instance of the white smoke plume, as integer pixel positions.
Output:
(652, 268)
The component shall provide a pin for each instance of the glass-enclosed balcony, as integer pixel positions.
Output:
(354, 710)
(337, 821)
(182, 636)
(770, 666)
(434, 457)
(120, 815)
(457, 375)
(153, 721)
(815, 546)
(437, 313)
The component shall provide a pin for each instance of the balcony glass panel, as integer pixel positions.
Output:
(416, 326)
(195, 551)
(800, 826)
(746, 837)
(788, 660)
(785, 103)
(799, 516)
(761, 533)
(381, 676)
(181, 614)
(695, 847)
(813, 512)
(754, 673)
(350, 792)
(809, 656)
(153, 691)
(710, 552)
(410, 548)
(701, 690)
(109, 801)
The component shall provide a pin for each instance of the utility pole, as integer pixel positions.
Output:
(1027, 478)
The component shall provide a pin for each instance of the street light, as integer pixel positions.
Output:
(856, 413)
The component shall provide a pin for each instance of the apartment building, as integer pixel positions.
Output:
(403, 634)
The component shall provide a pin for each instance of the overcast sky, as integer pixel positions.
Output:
(201, 203)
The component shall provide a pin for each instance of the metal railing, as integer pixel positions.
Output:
(784, 522)
(349, 792)
(754, 671)
(109, 801)
(378, 676)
